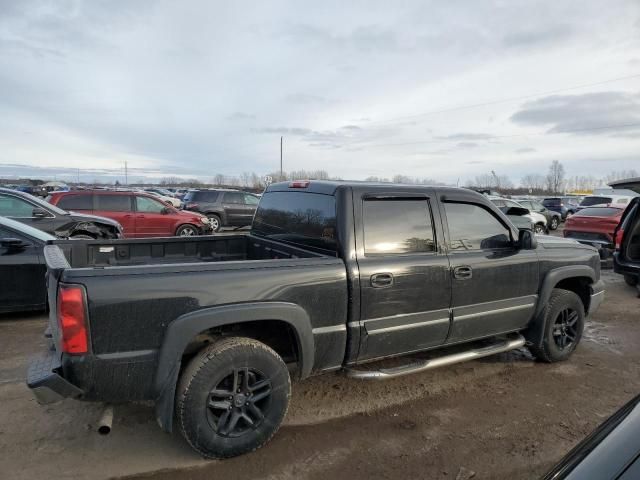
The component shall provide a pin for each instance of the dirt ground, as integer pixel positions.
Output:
(501, 417)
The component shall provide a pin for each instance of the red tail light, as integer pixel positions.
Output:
(72, 319)
(299, 184)
(617, 239)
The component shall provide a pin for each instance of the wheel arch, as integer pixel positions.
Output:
(182, 331)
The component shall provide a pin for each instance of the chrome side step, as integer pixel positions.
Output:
(511, 343)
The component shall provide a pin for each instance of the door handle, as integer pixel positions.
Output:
(462, 272)
(381, 280)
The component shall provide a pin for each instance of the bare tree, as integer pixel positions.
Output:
(555, 177)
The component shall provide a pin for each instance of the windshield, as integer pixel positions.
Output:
(305, 219)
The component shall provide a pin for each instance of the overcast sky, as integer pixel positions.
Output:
(445, 90)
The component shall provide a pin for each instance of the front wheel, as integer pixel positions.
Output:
(215, 222)
(232, 397)
(186, 231)
(554, 223)
(563, 319)
(540, 229)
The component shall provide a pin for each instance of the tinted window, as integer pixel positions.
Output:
(149, 205)
(15, 207)
(251, 199)
(551, 202)
(599, 212)
(234, 197)
(307, 219)
(498, 203)
(76, 202)
(209, 197)
(587, 202)
(471, 227)
(113, 203)
(397, 226)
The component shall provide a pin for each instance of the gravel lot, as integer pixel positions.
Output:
(501, 417)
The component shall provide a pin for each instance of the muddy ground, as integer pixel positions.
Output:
(501, 417)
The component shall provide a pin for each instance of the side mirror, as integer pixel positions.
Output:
(527, 240)
(39, 213)
(12, 243)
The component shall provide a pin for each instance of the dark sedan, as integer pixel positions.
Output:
(32, 211)
(22, 267)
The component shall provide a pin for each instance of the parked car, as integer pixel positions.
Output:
(332, 275)
(163, 192)
(140, 214)
(553, 218)
(35, 190)
(611, 451)
(39, 214)
(626, 259)
(22, 267)
(594, 226)
(521, 216)
(174, 202)
(565, 206)
(225, 208)
(613, 200)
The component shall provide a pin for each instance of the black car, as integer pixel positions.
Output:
(553, 218)
(22, 261)
(225, 208)
(611, 452)
(626, 237)
(39, 214)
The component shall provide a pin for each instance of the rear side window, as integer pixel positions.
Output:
(599, 212)
(551, 202)
(234, 197)
(587, 202)
(471, 227)
(76, 202)
(209, 197)
(306, 219)
(251, 199)
(113, 203)
(397, 226)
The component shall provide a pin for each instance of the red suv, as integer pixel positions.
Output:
(140, 214)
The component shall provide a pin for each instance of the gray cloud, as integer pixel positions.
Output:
(526, 150)
(467, 145)
(306, 99)
(241, 116)
(583, 114)
(549, 34)
(466, 136)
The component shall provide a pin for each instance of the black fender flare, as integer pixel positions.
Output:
(535, 329)
(186, 327)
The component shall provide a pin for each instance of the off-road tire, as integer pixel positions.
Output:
(548, 350)
(205, 372)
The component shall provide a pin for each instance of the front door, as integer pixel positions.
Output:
(405, 285)
(494, 283)
(152, 218)
(22, 271)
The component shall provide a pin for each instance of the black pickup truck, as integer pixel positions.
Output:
(333, 275)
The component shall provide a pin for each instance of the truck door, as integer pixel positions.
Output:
(405, 286)
(494, 283)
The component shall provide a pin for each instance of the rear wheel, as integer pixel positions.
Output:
(563, 326)
(631, 280)
(232, 397)
(186, 231)
(554, 223)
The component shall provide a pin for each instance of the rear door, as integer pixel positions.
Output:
(23, 272)
(628, 242)
(152, 218)
(117, 206)
(234, 208)
(494, 284)
(405, 285)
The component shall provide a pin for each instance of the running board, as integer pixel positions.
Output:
(510, 343)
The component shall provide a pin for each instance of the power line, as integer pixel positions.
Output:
(498, 101)
(493, 137)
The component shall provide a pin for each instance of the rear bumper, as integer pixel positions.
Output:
(597, 296)
(47, 385)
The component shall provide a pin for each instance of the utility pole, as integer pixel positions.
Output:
(78, 176)
(281, 177)
(126, 174)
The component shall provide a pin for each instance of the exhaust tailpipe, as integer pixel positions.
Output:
(106, 421)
